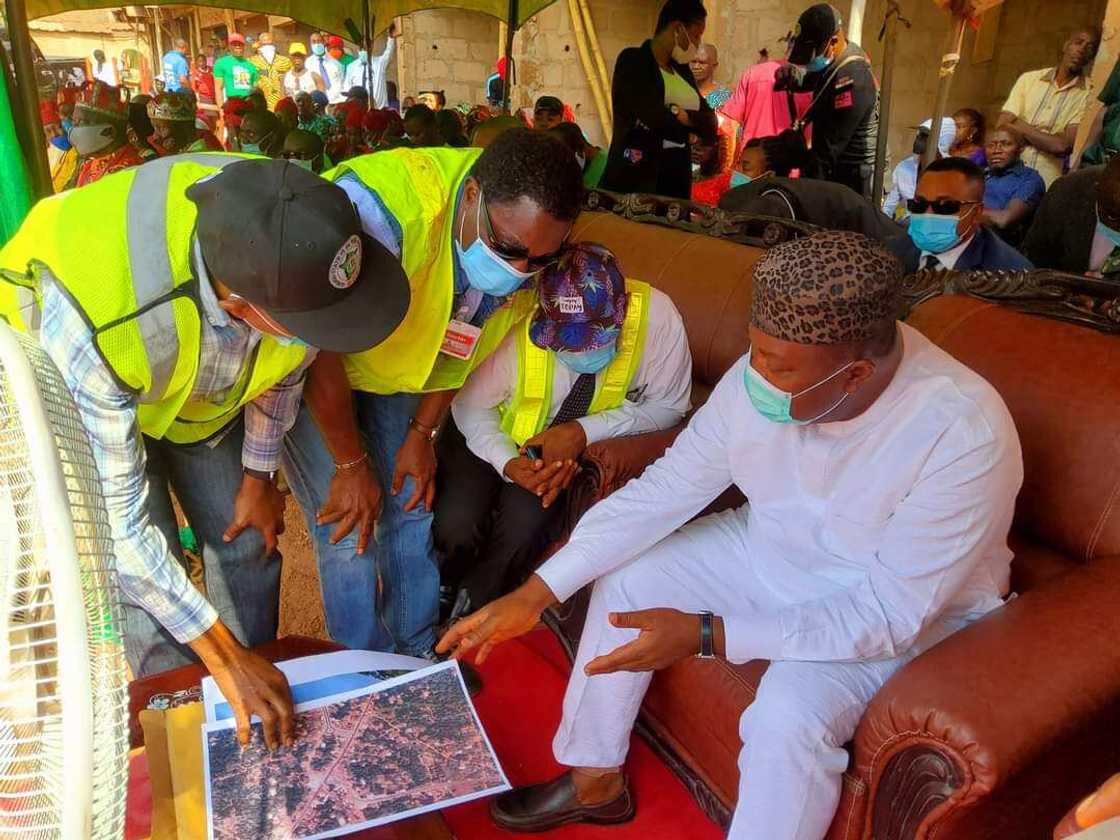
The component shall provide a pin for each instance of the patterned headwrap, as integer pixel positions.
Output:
(583, 300)
(829, 288)
(173, 107)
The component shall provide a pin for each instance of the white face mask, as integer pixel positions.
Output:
(268, 52)
(687, 54)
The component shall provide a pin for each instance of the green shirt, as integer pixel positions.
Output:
(595, 170)
(237, 75)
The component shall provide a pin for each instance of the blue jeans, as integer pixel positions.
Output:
(388, 599)
(242, 582)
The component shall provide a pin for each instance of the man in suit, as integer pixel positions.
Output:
(945, 231)
(1077, 225)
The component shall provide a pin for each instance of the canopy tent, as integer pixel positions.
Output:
(362, 18)
(329, 15)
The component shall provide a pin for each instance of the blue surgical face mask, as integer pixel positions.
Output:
(817, 64)
(933, 233)
(289, 341)
(363, 56)
(1108, 233)
(588, 361)
(738, 179)
(485, 270)
(774, 404)
(319, 49)
(252, 148)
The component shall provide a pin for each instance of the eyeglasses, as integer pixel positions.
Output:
(517, 254)
(940, 206)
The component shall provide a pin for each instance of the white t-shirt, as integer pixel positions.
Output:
(300, 82)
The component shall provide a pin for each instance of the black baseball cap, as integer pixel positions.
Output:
(815, 27)
(550, 104)
(291, 243)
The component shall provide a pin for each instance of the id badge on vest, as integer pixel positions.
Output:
(460, 339)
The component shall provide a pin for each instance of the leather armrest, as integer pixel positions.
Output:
(961, 720)
(615, 461)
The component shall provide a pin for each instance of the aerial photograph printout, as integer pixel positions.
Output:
(363, 758)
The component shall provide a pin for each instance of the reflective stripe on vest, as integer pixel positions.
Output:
(526, 414)
(152, 277)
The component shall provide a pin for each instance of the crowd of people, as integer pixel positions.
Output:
(433, 355)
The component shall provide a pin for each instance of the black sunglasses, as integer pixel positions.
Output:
(516, 254)
(940, 206)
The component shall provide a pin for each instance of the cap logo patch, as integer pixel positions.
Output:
(347, 263)
(570, 305)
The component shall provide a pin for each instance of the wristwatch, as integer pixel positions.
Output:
(262, 475)
(428, 432)
(707, 636)
(675, 109)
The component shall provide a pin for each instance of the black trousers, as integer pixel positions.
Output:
(487, 531)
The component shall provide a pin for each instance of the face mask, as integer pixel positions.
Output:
(90, 139)
(1108, 233)
(305, 164)
(268, 52)
(819, 63)
(686, 55)
(774, 404)
(581, 160)
(485, 270)
(252, 148)
(67, 125)
(933, 233)
(738, 179)
(319, 49)
(588, 361)
(363, 56)
(289, 341)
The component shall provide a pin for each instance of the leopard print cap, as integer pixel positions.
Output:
(828, 288)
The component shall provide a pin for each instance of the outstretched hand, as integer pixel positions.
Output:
(665, 636)
(506, 618)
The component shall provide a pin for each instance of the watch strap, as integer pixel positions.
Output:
(707, 636)
(261, 475)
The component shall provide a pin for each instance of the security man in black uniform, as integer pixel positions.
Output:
(844, 111)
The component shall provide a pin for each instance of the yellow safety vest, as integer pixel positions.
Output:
(418, 187)
(526, 414)
(120, 249)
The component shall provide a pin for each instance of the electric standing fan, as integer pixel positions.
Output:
(63, 681)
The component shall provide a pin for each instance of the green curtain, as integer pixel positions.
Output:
(18, 196)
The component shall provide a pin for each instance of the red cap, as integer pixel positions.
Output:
(287, 104)
(334, 42)
(236, 38)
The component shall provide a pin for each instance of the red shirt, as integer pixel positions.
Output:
(202, 80)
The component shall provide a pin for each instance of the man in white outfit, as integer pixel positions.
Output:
(881, 476)
(372, 75)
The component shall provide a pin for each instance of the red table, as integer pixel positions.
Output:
(427, 827)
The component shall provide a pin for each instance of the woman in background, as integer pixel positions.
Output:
(658, 110)
(969, 142)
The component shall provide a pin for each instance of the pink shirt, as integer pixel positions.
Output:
(758, 108)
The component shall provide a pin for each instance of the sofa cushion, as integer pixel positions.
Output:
(1060, 382)
(708, 279)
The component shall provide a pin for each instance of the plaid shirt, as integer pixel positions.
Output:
(149, 574)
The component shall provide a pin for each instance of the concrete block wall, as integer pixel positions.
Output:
(449, 50)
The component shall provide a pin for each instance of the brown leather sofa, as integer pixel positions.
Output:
(993, 732)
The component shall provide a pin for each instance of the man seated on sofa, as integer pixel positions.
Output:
(611, 358)
(882, 477)
(945, 231)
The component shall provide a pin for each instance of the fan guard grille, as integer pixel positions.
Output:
(32, 702)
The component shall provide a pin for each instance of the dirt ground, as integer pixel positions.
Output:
(301, 604)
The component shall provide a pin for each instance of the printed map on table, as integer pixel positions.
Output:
(367, 757)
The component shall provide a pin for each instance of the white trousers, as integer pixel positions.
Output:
(793, 756)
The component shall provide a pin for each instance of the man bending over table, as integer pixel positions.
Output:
(882, 477)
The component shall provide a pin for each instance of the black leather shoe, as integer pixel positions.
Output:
(552, 804)
(471, 678)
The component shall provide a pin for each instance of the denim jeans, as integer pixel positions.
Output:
(388, 599)
(242, 582)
